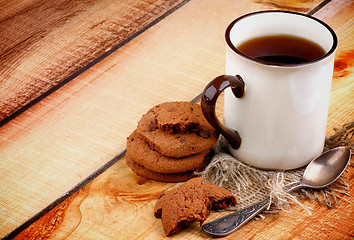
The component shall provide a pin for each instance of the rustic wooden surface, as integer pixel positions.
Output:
(61, 140)
(42, 43)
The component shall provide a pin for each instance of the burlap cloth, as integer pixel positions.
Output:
(251, 185)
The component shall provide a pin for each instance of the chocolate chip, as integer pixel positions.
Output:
(184, 142)
(203, 133)
(152, 126)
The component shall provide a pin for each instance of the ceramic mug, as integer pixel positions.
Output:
(275, 114)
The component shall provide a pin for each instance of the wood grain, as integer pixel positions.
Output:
(61, 140)
(43, 43)
(341, 109)
(119, 205)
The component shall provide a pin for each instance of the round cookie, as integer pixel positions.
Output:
(140, 152)
(179, 117)
(179, 144)
(161, 177)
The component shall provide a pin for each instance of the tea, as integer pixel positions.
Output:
(281, 49)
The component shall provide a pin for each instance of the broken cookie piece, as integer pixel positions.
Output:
(184, 204)
(189, 203)
(219, 197)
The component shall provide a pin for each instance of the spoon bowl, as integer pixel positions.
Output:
(326, 168)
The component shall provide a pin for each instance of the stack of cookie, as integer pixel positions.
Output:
(171, 142)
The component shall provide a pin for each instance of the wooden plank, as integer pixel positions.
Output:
(119, 204)
(339, 15)
(84, 124)
(42, 43)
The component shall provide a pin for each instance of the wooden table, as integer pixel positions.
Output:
(75, 77)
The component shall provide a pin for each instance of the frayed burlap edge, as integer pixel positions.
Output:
(251, 185)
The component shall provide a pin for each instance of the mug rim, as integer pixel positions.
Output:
(233, 47)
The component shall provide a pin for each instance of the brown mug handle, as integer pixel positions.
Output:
(209, 97)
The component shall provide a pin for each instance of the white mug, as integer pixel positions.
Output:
(275, 114)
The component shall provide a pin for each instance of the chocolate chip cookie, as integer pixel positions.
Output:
(178, 117)
(161, 177)
(179, 144)
(190, 202)
(140, 152)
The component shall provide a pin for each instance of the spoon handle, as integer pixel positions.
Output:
(230, 223)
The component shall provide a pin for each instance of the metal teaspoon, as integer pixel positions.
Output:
(319, 173)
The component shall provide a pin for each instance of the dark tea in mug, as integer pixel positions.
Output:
(281, 49)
